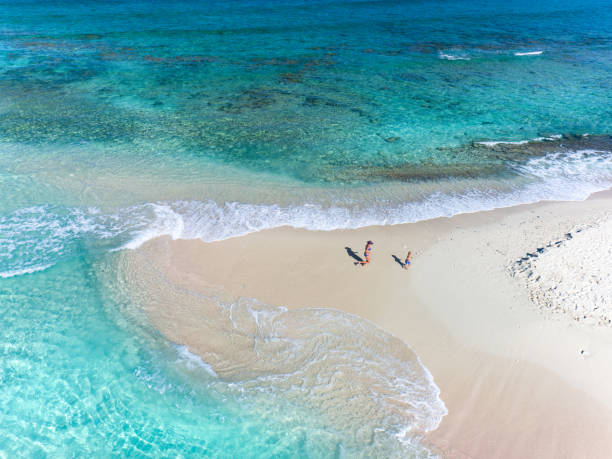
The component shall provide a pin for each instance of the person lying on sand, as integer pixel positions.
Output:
(366, 253)
(407, 260)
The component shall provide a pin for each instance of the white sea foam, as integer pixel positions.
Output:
(453, 57)
(528, 53)
(33, 238)
(37, 237)
(22, 271)
(191, 360)
(492, 143)
(166, 222)
(560, 176)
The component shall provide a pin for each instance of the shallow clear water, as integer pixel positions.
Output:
(124, 120)
(79, 378)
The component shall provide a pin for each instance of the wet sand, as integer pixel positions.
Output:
(518, 379)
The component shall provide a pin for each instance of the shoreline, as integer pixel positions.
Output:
(514, 379)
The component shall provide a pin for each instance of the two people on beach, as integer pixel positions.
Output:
(367, 253)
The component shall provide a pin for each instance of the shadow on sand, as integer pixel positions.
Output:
(351, 253)
(398, 261)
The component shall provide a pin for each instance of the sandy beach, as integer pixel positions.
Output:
(522, 370)
(187, 189)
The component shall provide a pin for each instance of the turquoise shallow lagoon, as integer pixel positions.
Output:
(124, 120)
(79, 379)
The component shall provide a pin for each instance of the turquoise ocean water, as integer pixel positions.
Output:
(124, 120)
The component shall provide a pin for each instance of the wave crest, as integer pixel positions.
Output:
(34, 238)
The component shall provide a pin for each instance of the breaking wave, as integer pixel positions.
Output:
(35, 238)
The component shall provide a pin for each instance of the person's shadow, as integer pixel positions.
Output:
(351, 253)
(398, 261)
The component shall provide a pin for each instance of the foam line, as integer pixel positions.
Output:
(557, 176)
(44, 234)
(528, 53)
(23, 271)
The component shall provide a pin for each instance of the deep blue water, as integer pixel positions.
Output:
(124, 120)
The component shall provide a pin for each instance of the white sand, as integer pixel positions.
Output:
(517, 382)
(573, 276)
